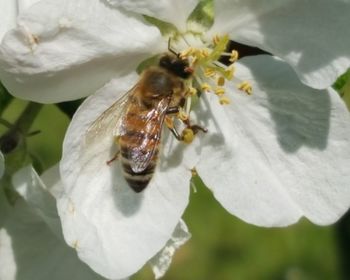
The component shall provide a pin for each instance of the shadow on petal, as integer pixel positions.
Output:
(301, 115)
(126, 200)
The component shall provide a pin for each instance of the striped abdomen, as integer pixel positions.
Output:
(139, 145)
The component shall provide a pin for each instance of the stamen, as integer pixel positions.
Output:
(224, 100)
(206, 87)
(233, 56)
(209, 72)
(246, 87)
(220, 81)
(192, 91)
(229, 72)
(219, 91)
(186, 53)
(182, 115)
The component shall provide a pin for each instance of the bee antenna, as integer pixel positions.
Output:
(172, 50)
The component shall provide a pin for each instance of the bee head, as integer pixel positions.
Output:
(175, 65)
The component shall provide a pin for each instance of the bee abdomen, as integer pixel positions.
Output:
(138, 181)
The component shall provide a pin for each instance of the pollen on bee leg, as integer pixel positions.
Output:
(246, 87)
(187, 135)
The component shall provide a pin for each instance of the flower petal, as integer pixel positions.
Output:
(175, 12)
(64, 50)
(115, 230)
(29, 250)
(314, 39)
(31, 188)
(160, 263)
(281, 153)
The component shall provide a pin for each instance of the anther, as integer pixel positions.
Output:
(220, 81)
(234, 56)
(192, 91)
(229, 72)
(182, 115)
(184, 54)
(206, 87)
(224, 100)
(209, 72)
(219, 91)
(246, 87)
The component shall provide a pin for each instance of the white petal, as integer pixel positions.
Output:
(161, 262)
(281, 153)
(115, 230)
(63, 50)
(313, 39)
(175, 12)
(29, 250)
(29, 185)
(2, 165)
(8, 14)
(9, 10)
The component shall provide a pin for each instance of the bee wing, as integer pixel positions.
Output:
(153, 129)
(108, 123)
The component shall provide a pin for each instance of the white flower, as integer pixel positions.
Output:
(270, 158)
(32, 245)
(9, 9)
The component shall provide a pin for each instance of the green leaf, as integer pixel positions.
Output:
(202, 17)
(342, 85)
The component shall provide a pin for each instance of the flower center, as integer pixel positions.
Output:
(210, 75)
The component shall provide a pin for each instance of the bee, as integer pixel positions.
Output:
(139, 116)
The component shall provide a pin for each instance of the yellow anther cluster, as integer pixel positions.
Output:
(224, 100)
(186, 53)
(187, 135)
(216, 39)
(246, 87)
(233, 56)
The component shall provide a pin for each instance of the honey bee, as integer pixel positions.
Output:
(139, 115)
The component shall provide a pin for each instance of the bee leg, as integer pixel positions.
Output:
(170, 124)
(115, 157)
(172, 110)
(195, 128)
